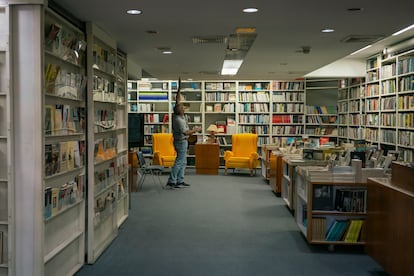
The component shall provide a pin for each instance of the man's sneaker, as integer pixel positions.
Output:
(171, 186)
(183, 185)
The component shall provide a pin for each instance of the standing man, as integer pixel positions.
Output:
(181, 132)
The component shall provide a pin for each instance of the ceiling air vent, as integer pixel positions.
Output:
(361, 38)
(212, 39)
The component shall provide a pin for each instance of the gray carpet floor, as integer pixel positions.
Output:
(222, 225)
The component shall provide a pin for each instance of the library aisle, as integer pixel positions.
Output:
(223, 225)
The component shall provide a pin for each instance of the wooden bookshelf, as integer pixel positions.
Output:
(331, 212)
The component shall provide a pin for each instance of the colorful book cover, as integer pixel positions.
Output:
(63, 150)
(71, 155)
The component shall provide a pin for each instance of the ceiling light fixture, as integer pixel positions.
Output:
(134, 12)
(250, 10)
(168, 52)
(360, 50)
(355, 9)
(231, 66)
(403, 30)
(327, 30)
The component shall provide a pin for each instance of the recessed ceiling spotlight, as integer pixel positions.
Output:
(328, 30)
(250, 10)
(167, 52)
(134, 12)
(355, 9)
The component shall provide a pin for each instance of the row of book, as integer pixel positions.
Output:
(218, 107)
(102, 84)
(406, 120)
(313, 119)
(287, 119)
(220, 96)
(322, 131)
(58, 198)
(65, 43)
(356, 92)
(329, 198)
(254, 86)
(407, 155)
(406, 65)
(64, 156)
(407, 83)
(64, 83)
(254, 129)
(388, 136)
(64, 119)
(388, 103)
(288, 97)
(355, 106)
(254, 119)
(105, 149)
(287, 130)
(105, 177)
(371, 105)
(149, 129)
(105, 119)
(388, 87)
(254, 97)
(253, 107)
(372, 63)
(153, 96)
(388, 119)
(371, 134)
(342, 107)
(321, 109)
(340, 230)
(103, 59)
(372, 119)
(287, 107)
(388, 70)
(104, 206)
(372, 76)
(155, 118)
(406, 102)
(220, 86)
(372, 90)
(288, 85)
(406, 138)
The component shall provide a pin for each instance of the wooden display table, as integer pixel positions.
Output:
(207, 158)
(390, 223)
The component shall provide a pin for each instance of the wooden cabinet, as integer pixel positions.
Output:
(207, 158)
(390, 213)
(275, 175)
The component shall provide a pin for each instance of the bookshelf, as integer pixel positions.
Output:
(330, 212)
(107, 141)
(351, 113)
(220, 109)
(6, 147)
(152, 99)
(288, 107)
(322, 120)
(64, 145)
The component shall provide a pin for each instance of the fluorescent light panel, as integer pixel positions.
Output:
(231, 66)
(134, 12)
(362, 49)
(403, 30)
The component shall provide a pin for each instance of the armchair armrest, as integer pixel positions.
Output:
(228, 154)
(254, 157)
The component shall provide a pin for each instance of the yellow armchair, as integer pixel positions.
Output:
(163, 149)
(243, 152)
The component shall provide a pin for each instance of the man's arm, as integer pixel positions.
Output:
(178, 96)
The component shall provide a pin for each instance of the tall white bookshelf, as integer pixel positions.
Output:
(6, 147)
(107, 141)
(64, 128)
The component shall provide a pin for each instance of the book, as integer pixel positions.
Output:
(58, 120)
(49, 119)
(48, 160)
(71, 155)
(55, 159)
(76, 155)
(323, 197)
(217, 107)
(48, 202)
(55, 201)
(63, 151)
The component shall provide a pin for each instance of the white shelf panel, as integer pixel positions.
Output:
(104, 190)
(55, 56)
(62, 246)
(64, 210)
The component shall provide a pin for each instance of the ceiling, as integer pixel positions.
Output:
(283, 28)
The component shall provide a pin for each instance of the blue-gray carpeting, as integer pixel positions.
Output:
(223, 225)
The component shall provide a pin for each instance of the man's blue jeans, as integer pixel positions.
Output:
(177, 171)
